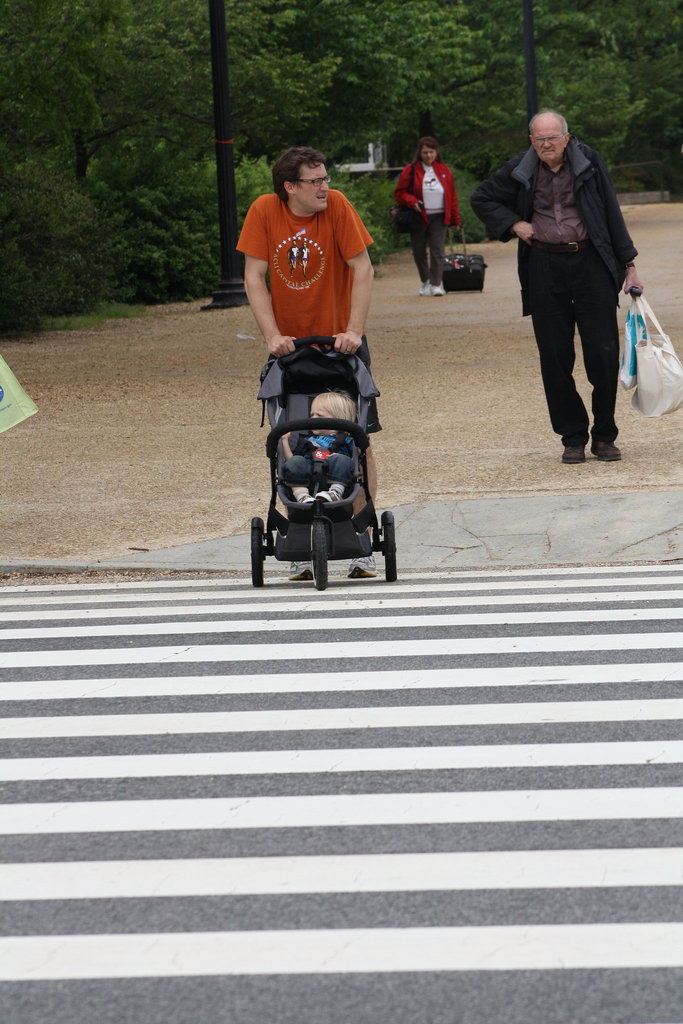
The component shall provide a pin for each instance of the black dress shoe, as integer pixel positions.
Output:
(606, 451)
(574, 453)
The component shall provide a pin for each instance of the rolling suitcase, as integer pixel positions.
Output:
(461, 271)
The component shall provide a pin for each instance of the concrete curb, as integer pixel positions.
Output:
(490, 533)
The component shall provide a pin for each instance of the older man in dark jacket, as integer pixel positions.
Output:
(574, 254)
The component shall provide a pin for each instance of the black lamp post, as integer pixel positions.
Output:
(230, 290)
(529, 59)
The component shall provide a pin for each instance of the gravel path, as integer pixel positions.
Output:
(148, 432)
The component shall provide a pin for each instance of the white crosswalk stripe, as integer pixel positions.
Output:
(476, 775)
(344, 718)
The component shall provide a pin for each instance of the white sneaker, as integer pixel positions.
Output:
(437, 289)
(426, 288)
(362, 568)
(301, 571)
(334, 494)
(305, 499)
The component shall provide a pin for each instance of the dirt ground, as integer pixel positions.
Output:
(148, 434)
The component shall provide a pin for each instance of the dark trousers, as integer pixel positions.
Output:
(434, 234)
(568, 291)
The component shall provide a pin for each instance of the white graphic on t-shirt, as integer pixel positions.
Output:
(299, 260)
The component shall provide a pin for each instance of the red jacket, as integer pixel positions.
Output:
(407, 197)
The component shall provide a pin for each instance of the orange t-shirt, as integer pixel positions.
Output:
(310, 280)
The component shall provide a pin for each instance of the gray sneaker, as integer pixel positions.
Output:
(362, 568)
(301, 571)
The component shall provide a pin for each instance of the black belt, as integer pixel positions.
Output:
(561, 246)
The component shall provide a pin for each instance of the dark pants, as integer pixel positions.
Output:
(570, 290)
(434, 233)
(298, 470)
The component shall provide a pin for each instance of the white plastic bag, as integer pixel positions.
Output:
(659, 380)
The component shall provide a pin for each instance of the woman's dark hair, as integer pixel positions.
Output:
(286, 167)
(427, 140)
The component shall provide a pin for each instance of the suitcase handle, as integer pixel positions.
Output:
(464, 243)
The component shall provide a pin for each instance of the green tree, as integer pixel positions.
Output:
(391, 62)
(117, 96)
(55, 60)
(615, 71)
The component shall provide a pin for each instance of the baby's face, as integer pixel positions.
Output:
(319, 411)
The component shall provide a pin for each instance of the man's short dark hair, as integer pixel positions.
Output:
(286, 167)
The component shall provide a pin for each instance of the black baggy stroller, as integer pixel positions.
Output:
(320, 530)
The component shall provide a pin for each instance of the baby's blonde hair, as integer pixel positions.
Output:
(339, 405)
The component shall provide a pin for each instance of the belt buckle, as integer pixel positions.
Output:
(573, 246)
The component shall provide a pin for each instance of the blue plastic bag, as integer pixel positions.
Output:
(634, 331)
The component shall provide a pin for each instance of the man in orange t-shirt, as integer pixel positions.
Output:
(329, 292)
(314, 244)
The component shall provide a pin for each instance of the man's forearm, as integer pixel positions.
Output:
(361, 292)
(261, 304)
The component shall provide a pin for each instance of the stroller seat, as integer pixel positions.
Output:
(288, 385)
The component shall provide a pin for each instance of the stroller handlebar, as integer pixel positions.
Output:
(320, 422)
(327, 341)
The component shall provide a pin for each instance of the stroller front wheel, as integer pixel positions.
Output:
(257, 555)
(389, 547)
(319, 547)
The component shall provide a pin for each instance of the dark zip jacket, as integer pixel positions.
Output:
(508, 196)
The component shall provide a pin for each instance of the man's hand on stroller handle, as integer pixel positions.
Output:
(349, 341)
(346, 342)
(280, 344)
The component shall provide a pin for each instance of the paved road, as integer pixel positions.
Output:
(456, 797)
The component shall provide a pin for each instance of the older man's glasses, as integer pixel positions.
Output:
(540, 140)
(316, 182)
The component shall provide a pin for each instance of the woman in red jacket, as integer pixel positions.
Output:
(427, 185)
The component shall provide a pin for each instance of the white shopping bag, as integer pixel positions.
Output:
(659, 373)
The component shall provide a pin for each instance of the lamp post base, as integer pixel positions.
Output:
(228, 293)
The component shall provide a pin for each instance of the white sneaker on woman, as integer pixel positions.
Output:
(426, 288)
(437, 289)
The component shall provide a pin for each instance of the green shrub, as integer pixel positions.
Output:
(465, 185)
(165, 207)
(56, 255)
(253, 178)
(372, 197)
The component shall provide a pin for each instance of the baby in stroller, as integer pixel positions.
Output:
(334, 449)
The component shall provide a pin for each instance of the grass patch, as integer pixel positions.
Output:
(104, 311)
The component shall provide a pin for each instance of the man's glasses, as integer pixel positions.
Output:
(314, 181)
(538, 140)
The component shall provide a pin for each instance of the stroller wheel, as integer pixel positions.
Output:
(319, 546)
(257, 554)
(389, 547)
